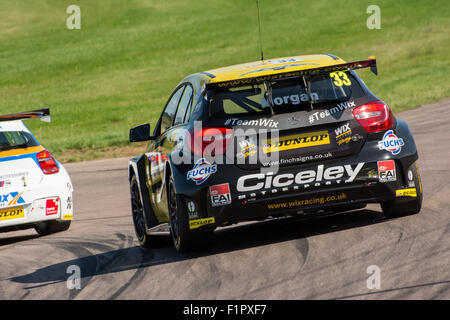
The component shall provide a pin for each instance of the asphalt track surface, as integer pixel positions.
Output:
(324, 258)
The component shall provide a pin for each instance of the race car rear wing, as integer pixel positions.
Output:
(43, 114)
(369, 63)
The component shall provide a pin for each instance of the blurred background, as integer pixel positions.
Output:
(119, 68)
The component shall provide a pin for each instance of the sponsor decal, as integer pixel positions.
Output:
(69, 203)
(269, 123)
(267, 183)
(336, 109)
(343, 134)
(13, 213)
(193, 224)
(297, 141)
(192, 210)
(307, 202)
(201, 171)
(11, 199)
(220, 194)
(51, 206)
(13, 175)
(294, 160)
(410, 192)
(386, 171)
(277, 68)
(294, 99)
(391, 143)
(248, 148)
(5, 183)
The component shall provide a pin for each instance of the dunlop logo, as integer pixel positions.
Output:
(297, 141)
(193, 224)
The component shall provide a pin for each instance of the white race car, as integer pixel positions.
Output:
(35, 189)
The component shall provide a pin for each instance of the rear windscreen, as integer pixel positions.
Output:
(16, 139)
(288, 95)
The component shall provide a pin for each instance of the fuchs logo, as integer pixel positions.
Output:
(391, 143)
(201, 171)
(220, 194)
(386, 171)
(269, 123)
(11, 199)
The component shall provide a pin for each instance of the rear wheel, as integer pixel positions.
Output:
(184, 239)
(52, 226)
(399, 208)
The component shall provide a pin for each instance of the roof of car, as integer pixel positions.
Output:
(13, 125)
(271, 66)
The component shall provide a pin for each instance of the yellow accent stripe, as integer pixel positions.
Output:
(19, 152)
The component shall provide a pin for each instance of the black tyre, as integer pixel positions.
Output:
(137, 211)
(399, 208)
(184, 239)
(52, 226)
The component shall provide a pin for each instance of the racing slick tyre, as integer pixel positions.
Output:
(184, 239)
(396, 208)
(53, 226)
(137, 209)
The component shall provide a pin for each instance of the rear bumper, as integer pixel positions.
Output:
(50, 200)
(266, 200)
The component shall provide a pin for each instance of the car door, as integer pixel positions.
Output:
(172, 132)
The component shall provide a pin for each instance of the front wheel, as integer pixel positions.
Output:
(184, 239)
(137, 211)
(398, 208)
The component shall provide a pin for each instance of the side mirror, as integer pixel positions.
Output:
(140, 133)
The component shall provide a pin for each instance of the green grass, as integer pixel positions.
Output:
(119, 69)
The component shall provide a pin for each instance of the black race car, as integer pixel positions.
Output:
(297, 136)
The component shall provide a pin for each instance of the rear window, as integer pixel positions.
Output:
(288, 95)
(16, 139)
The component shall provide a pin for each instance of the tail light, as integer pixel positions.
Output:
(374, 116)
(47, 162)
(210, 141)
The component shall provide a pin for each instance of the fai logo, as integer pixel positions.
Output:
(391, 143)
(51, 207)
(220, 195)
(386, 171)
(201, 171)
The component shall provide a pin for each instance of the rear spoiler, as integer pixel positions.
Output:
(43, 114)
(369, 63)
